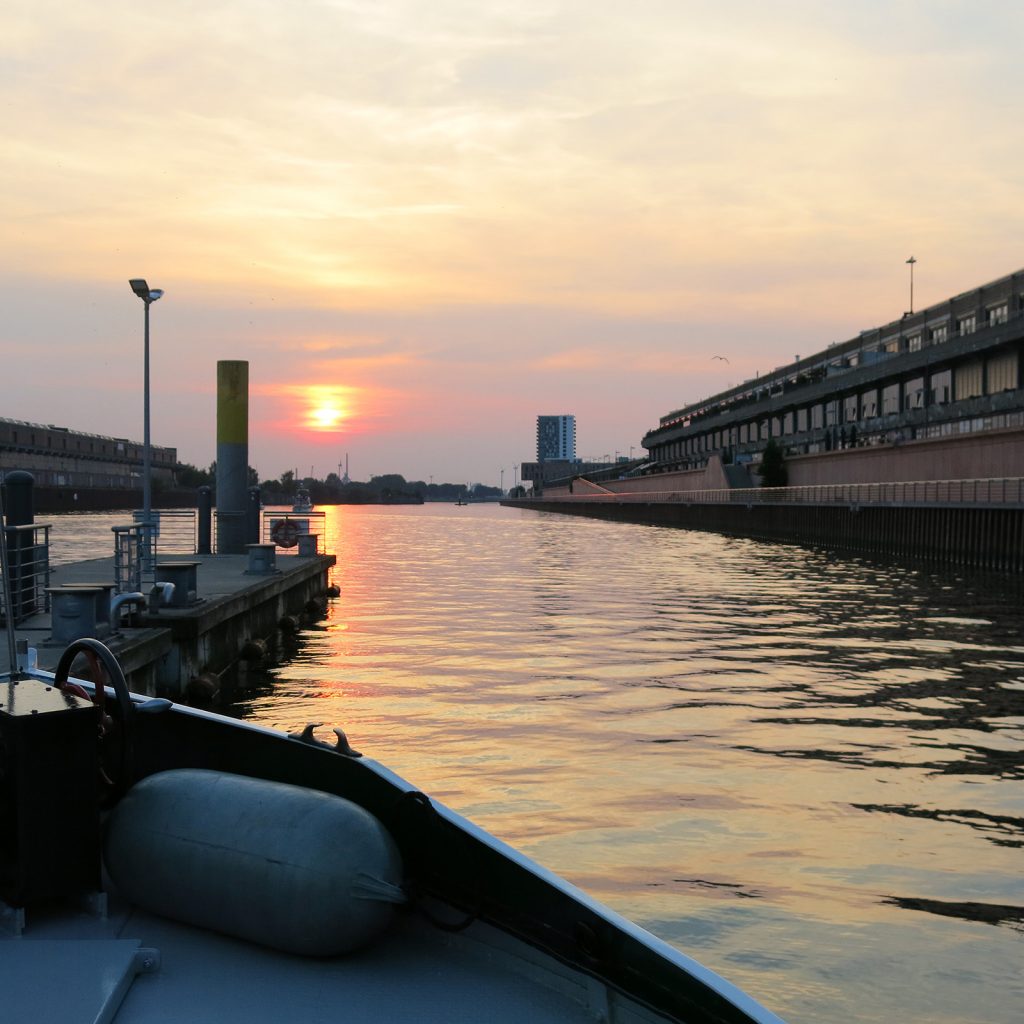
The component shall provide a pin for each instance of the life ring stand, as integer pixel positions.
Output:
(285, 533)
(114, 769)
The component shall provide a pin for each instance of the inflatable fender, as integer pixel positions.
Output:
(291, 868)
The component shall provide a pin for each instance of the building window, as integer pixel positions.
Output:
(1002, 373)
(890, 345)
(890, 399)
(968, 381)
(939, 334)
(913, 393)
(914, 343)
(817, 417)
(967, 324)
(850, 404)
(942, 385)
(801, 420)
(998, 314)
(868, 404)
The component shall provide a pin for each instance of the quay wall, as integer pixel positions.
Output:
(989, 455)
(47, 500)
(984, 538)
(997, 453)
(208, 639)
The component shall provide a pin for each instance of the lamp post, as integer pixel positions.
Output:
(501, 486)
(911, 261)
(148, 296)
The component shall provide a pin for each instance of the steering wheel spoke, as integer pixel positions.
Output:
(115, 724)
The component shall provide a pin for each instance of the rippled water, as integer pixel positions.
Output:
(803, 770)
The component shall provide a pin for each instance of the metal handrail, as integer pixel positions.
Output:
(27, 561)
(129, 557)
(999, 491)
(308, 522)
(178, 531)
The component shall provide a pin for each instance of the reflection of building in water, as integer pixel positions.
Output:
(59, 457)
(949, 371)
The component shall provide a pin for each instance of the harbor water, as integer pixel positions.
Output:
(804, 770)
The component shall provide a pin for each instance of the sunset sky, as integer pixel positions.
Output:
(424, 224)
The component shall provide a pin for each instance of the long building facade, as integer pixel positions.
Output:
(952, 369)
(60, 457)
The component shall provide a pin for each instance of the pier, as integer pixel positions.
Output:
(164, 647)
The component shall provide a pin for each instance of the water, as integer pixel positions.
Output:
(801, 769)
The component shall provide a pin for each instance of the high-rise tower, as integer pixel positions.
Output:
(556, 438)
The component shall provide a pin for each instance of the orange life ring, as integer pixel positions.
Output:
(285, 533)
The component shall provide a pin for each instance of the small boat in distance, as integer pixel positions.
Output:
(303, 502)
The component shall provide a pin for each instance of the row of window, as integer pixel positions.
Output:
(971, 380)
(113, 449)
(939, 332)
(933, 334)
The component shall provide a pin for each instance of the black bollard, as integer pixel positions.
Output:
(19, 511)
(252, 517)
(204, 521)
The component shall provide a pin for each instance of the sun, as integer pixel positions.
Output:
(327, 407)
(326, 416)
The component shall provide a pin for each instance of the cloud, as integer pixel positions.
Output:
(459, 207)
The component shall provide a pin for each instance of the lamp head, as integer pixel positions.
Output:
(143, 290)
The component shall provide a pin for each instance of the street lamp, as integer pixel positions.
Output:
(148, 296)
(911, 261)
(502, 485)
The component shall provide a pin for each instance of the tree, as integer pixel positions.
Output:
(189, 476)
(773, 466)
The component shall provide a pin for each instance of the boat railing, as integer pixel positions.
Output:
(28, 569)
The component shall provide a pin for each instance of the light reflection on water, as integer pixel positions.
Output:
(803, 770)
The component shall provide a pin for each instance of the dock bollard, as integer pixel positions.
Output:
(262, 559)
(204, 521)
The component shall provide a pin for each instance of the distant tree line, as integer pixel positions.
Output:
(391, 488)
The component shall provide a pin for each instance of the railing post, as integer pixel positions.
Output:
(204, 520)
(252, 516)
(18, 506)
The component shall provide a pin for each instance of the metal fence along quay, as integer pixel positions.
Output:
(963, 493)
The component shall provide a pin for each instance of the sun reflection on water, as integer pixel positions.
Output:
(803, 770)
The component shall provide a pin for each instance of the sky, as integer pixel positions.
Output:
(425, 224)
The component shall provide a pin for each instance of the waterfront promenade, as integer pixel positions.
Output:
(164, 648)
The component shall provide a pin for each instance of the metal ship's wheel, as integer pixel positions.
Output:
(115, 723)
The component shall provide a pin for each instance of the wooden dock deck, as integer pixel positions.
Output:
(164, 649)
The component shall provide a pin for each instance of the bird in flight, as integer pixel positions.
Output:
(724, 360)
